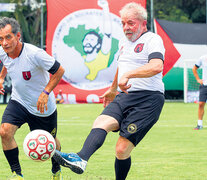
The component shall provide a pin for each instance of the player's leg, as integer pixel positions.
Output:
(102, 125)
(12, 119)
(201, 111)
(202, 101)
(106, 122)
(141, 113)
(123, 158)
(7, 132)
(56, 170)
(58, 146)
(77, 162)
(200, 115)
(52, 128)
(10, 147)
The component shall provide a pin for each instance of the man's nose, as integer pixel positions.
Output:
(4, 42)
(126, 27)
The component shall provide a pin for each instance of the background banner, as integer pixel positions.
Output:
(183, 41)
(83, 36)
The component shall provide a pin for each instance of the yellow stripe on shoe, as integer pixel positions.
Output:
(15, 177)
(57, 176)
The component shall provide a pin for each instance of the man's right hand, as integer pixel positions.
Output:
(108, 97)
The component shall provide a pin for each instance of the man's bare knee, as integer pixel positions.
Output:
(106, 122)
(123, 148)
(7, 131)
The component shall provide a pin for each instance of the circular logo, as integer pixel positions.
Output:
(42, 139)
(132, 128)
(32, 144)
(50, 147)
(85, 42)
(53, 132)
(45, 157)
(33, 155)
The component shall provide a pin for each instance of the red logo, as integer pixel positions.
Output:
(26, 75)
(138, 48)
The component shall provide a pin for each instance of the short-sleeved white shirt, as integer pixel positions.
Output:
(136, 54)
(29, 75)
(202, 61)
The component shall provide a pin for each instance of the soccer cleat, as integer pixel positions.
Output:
(15, 177)
(57, 176)
(198, 127)
(70, 160)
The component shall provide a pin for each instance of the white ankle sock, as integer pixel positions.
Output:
(200, 122)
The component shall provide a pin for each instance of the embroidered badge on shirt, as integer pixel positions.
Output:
(26, 75)
(138, 48)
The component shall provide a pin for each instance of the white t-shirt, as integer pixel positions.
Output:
(135, 54)
(29, 75)
(202, 61)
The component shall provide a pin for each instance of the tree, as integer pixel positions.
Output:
(29, 19)
(188, 11)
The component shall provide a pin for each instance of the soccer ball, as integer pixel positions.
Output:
(39, 145)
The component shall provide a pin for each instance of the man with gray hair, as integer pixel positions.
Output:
(137, 107)
(32, 100)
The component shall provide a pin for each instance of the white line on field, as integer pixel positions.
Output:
(175, 125)
(74, 124)
(81, 121)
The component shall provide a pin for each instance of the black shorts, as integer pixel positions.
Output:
(136, 113)
(202, 93)
(17, 114)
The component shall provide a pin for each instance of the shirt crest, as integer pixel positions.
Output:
(138, 48)
(26, 75)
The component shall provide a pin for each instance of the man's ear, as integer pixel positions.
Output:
(18, 35)
(144, 22)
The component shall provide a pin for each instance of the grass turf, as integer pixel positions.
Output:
(171, 150)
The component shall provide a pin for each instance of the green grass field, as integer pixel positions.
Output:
(172, 150)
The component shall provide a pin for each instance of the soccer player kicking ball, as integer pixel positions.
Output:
(138, 105)
(32, 100)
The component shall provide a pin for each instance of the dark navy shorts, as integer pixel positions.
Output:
(136, 113)
(202, 93)
(17, 114)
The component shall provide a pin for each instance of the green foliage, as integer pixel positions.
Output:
(188, 11)
(174, 14)
(169, 10)
(29, 20)
(195, 9)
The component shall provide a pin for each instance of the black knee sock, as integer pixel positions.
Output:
(94, 141)
(55, 165)
(12, 157)
(122, 168)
